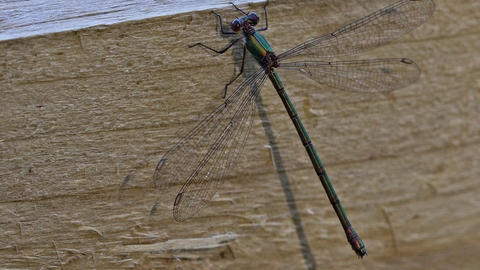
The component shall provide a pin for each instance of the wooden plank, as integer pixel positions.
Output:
(81, 109)
(29, 18)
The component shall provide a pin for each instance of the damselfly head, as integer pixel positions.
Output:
(250, 20)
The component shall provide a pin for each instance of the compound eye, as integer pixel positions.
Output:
(236, 26)
(253, 18)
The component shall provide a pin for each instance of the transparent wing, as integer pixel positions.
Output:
(205, 157)
(369, 32)
(376, 75)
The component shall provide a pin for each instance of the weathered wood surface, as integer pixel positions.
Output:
(82, 109)
(24, 19)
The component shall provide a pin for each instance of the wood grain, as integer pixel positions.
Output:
(83, 109)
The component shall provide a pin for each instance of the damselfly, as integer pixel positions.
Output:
(206, 156)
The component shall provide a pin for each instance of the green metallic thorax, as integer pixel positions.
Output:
(259, 47)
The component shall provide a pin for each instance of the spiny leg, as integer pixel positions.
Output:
(241, 71)
(223, 32)
(239, 9)
(266, 18)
